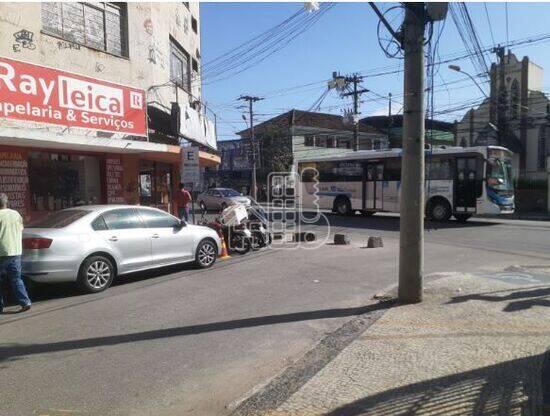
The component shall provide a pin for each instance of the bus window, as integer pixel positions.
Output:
(307, 171)
(392, 170)
(438, 168)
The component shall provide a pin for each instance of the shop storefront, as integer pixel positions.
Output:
(81, 141)
(39, 180)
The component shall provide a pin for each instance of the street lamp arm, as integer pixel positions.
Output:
(457, 69)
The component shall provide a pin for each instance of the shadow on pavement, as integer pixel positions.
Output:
(10, 351)
(510, 388)
(517, 299)
(387, 223)
(43, 291)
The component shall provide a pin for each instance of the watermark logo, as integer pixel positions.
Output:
(296, 220)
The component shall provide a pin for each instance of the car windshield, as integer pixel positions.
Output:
(499, 174)
(60, 219)
(229, 192)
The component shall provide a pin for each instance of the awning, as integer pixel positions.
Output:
(50, 140)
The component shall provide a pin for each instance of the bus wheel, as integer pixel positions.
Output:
(368, 213)
(439, 210)
(462, 217)
(342, 206)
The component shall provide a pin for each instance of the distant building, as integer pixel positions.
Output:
(526, 111)
(527, 117)
(438, 133)
(289, 136)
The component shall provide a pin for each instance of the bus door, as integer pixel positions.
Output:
(373, 195)
(465, 184)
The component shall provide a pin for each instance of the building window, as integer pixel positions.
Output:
(195, 65)
(194, 25)
(542, 149)
(96, 25)
(514, 99)
(330, 142)
(309, 141)
(179, 66)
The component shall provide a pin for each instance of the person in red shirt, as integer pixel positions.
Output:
(183, 198)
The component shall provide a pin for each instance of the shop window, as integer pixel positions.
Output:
(96, 25)
(122, 219)
(179, 66)
(194, 25)
(58, 181)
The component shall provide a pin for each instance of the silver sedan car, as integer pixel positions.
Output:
(91, 245)
(221, 198)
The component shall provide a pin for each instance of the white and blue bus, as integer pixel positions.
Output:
(460, 181)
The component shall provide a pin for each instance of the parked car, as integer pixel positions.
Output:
(221, 198)
(92, 245)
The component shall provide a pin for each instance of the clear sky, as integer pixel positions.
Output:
(345, 40)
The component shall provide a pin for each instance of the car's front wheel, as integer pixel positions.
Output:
(205, 255)
(96, 274)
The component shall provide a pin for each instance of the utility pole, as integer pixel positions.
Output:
(355, 80)
(501, 96)
(251, 100)
(411, 237)
(390, 121)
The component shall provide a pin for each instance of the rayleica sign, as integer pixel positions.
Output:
(45, 95)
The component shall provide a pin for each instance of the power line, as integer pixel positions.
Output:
(489, 23)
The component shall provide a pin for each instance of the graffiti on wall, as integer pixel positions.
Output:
(23, 40)
(64, 44)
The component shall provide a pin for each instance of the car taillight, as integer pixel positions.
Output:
(36, 243)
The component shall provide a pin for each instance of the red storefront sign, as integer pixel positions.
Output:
(45, 95)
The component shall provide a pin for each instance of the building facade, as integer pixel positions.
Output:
(287, 137)
(515, 90)
(101, 98)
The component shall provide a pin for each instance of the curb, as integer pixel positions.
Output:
(291, 379)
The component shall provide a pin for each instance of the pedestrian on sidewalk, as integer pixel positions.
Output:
(11, 236)
(183, 199)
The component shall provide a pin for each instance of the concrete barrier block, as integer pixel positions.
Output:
(306, 236)
(341, 240)
(375, 242)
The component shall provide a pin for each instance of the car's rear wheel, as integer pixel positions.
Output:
(96, 274)
(205, 255)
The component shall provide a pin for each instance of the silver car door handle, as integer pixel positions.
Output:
(155, 236)
(113, 238)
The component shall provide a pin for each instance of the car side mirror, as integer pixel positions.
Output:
(180, 224)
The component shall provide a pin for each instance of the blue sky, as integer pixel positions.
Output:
(345, 40)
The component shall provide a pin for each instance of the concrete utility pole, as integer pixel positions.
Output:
(251, 100)
(411, 237)
(355, 80)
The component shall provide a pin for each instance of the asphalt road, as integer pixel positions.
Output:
(181, 341)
